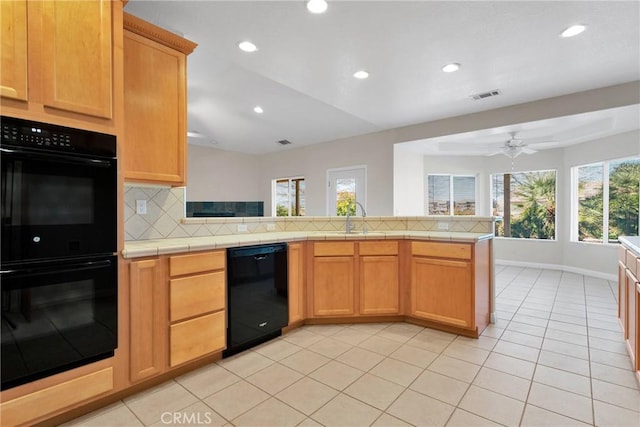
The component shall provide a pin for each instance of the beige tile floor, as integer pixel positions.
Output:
(555, 357)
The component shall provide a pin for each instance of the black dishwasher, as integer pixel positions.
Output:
(257, 303)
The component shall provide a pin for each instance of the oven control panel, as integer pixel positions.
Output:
(31, 135)
(50, 137)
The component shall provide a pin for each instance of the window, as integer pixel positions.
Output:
(439, 191)
(607, 200)
(527, 203)
(289, 197)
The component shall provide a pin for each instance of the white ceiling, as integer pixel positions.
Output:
(302, 73)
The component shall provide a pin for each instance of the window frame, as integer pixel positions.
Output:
(555, 196)
(575, 201)
(289, 181)
(451, 194)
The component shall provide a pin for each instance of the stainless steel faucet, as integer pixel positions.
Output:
(349, 227)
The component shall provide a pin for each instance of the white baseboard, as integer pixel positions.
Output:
(567, 268)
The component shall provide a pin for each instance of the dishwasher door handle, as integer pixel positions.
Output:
(260, 257)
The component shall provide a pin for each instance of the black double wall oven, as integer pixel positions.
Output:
(59, 270)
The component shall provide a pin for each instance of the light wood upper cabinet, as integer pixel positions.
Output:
(155, 103)
(59, 55)
(13, 65)
(76, 56)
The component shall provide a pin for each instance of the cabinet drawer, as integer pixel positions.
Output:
(441, 250)
(632, 262)
(195, 295)
(622, 254)
(196, 263)
(196, 337)
(48, 400)
(333, 248)
(378, 248)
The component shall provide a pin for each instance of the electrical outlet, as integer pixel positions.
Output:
(443, 226)
(271, 227)
(141, 207)
(242, 228)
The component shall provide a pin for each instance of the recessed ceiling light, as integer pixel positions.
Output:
(258, 109)
(573, 30)
(362, 74)
(247, 46)
(194, 134)
(450, 68)
(317, 6)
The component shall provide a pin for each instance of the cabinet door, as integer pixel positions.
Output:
(441, 290)
(379, 285)
(148, 319)
(632, 316)
(333, 286)
(13, 64)
(296, 282)
(622, 298)
(76, 56)
(155, 111)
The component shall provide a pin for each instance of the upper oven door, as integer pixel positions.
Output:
(56, 205)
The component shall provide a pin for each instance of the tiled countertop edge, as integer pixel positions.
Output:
(145, 248)
(631, 242)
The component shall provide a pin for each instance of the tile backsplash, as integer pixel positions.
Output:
(165, 211)
(165, 218)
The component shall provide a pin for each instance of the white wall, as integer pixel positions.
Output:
(408, 184)
(373, 150)
(222, 176)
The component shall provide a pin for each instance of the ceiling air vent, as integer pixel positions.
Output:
(284, 142)
(484, 95)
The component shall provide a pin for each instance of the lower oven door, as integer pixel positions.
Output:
(57, 316)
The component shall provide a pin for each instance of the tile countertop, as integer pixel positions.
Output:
(143, 248)
(631, 242)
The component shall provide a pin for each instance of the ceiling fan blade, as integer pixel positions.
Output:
(527, 150)
(495, 153)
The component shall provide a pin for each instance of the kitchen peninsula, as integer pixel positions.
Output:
(400, 269)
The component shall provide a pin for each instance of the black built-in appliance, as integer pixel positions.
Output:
(257, 295)
(59, 275)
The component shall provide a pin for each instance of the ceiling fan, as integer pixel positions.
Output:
(513, 147)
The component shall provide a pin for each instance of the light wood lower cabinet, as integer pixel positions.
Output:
(441, 291)
(22, 410)
(629, 303)
(177, 311)
(354, 278)
(333, 286)
(379, 278)
(197, 337)
(148, 318)
(197, 301)
(297, 282)
(450, 284)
